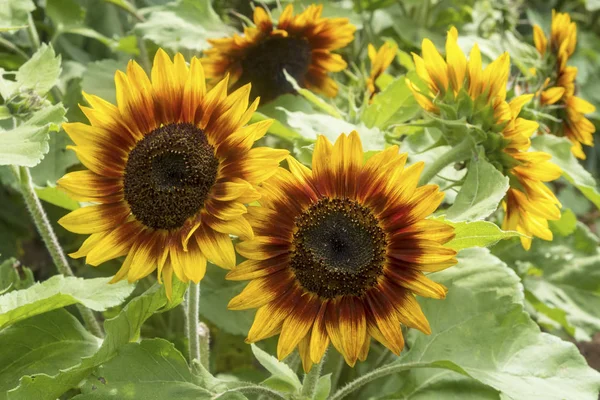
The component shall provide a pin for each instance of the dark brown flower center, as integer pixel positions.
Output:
(264, 64)
(339, 248)
(169, 174)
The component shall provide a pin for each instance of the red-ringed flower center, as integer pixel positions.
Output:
(339, 248)
(264, 64)
(169, 174)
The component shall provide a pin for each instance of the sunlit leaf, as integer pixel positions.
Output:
(483, 189)
(58, 292)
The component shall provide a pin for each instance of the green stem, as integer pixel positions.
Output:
(204, 340)
(337, 372)
(34, 38)
(193, 309)
(460, 152)
(375, 374)
(309, 386)
(254, 389)
(50, 240)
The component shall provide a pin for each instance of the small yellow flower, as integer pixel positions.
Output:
(169, 170)
(380, 60)
(300, 45)
(563, 40)
(529, 203)
(340, 251)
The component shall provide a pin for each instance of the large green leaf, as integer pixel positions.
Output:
(476, 234)
(215, 295)
(27, 144)
(13, 14)
(483, 189)
(122, 329)
(43, 344)
(394, 105)
(435, 384)
(58, 292)
(562, 278)
(573, 171)
(152, 369)
(183, 25)
(481, 330)
(309, 126)
(99, 79)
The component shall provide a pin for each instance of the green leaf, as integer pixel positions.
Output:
(99, 79)
(152, 369)
(60, 291)
(394, 105)
(276, 368)
(40, 73)
(309, 126)
(53, 195)
(476, 234)
(323, 387)
(44, 344)
(216, 293)
(483, 189)
(573, 171)
(27, 144)
(183, 25)
(563, 277)
(120, 330)
(13, 14)
(10, 278)
(55, 164)
(567, 223)
(481, 330)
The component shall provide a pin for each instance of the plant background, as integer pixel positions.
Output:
(91, 39)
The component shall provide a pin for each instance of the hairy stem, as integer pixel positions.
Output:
(50, 240)
(309, 386)
(193, 308)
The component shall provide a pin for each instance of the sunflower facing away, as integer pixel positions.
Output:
(563, 40)
(169, 170)
(300, 45)
(340, 251)
(380, 60)
(529, 204)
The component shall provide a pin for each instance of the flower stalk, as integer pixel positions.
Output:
(460, 152)
(192, 324)
(311, 379)
(48, 235)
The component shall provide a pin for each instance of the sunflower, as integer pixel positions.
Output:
(562, 42)
(380, 60)
(169, 170)
(300, 45)
(340, 251)
(529, 204)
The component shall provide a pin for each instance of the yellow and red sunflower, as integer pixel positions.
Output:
(563, 40)
(300, 44)
(169, 169)
(340, 252)
(529, 204)
(380, 60)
